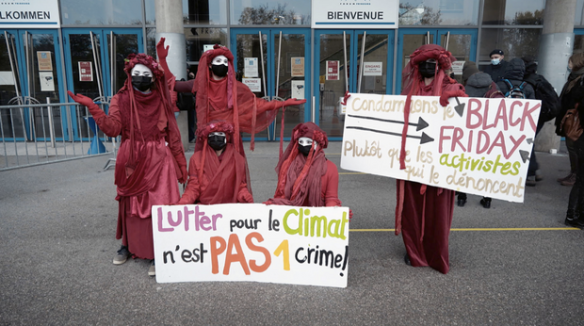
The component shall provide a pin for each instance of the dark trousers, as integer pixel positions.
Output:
(533, 165)
(576, 203)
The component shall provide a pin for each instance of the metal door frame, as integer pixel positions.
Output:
(436, 32)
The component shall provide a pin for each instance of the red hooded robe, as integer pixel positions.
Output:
(424, 213)
(216, 179)
(150, 158)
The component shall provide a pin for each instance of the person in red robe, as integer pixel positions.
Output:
(424, 213)
(305, 176)
(219, 96)
(217, 172)
(150, 159)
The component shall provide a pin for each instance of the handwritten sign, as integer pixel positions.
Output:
(252, 243)
(474, 145)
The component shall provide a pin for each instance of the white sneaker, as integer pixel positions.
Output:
(152, 269)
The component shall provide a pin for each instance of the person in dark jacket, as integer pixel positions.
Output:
(575, 212)
(568, 98)
(478, 84)
(497, 67)
(515, 74)
(550, 106)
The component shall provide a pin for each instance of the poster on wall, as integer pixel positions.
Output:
(297, 64)
(473, 145)
(6, 78)
(85, 71)
(298, 89)
(332, 70)
(207, 47)
(373, 69)
(251, 243)
(254, 84)
(45, 62)
(457, 67)
(47, 81)
(250, 68)
(29, 14)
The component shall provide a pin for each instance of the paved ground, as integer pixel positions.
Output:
(57, 240)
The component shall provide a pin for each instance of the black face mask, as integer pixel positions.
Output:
(427, 69)
(304, 150)
(220, 70)
(142, 83)
(217, 142)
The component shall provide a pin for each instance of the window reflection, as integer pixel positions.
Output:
(261, 12)
(513, 12)
(212, 12)
(438, 12)
(198, 37)
(104, 12)
(515, 42)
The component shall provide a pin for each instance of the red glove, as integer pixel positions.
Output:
(293, 101)
(84, 100)
(268, 202)
(161, 50)
(446, 95)
(245, 197)
(183, 178)
(350, 214)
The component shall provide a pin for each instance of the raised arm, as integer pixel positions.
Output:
(110, 124)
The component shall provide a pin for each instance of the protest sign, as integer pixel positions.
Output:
(251, 242)
(475, 145)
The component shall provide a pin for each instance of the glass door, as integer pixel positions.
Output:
(30, 73)
(275, 64)
(95, 64)
(334, 77)
(462, 43)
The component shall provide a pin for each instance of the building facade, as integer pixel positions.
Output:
(279, 51)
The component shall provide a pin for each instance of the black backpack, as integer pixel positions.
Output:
(514, 91)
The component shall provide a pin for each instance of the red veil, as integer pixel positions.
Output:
(299, 177)
(246, 112)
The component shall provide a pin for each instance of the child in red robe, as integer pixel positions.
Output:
(305, 176)
(217, 172)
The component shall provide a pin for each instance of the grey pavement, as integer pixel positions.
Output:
(57, 241)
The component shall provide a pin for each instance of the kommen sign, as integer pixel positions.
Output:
(474, 145)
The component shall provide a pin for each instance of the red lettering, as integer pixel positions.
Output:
(485, 135)
(499, 142)
(516, 122)
(238, 256)
(502, 115)
(471, 111)
(527, 115)
(443, 137)
(252, 263)
(216, 251)
(458, 134)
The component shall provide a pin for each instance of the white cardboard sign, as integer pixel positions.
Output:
(251, 243)
(254, 84)
(474, 145)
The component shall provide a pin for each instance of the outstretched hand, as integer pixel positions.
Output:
(293, 101)
(81, 99)
(161, 50)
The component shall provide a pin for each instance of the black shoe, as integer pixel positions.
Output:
(407, 260)
(461, 202)
(574, 223)
(486, 202)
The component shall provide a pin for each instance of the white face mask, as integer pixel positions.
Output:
(220, 60)
(142, 70)
(495, 62)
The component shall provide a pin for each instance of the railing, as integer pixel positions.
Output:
(34, 134)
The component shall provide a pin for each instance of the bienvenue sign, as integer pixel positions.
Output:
(251, 242)
(351, 14)
(474, 145)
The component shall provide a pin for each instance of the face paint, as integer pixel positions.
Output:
(220, 66)
(304, 145)
(142, 77)
(427, 69)
(217, 140)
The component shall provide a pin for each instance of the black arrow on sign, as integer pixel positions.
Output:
(423, 139)
(460, 107)
(524, 155)
(529, 140)
(419, 126)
